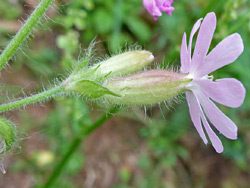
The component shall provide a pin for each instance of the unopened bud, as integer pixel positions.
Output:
(88, 82)
(146, 87)
(123, 64)
(7, 135)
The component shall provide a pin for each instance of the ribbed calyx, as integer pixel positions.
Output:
(147, 87)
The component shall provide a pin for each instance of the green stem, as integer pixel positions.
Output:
(32, 99)
(24, 32)
(75, 145)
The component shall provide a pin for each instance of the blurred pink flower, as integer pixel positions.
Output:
(155, 7)
(229, 92)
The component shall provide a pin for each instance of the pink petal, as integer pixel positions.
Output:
(195, 113)
(226, 52)
(151, 7)
(184, 55)
(221, 122)
(203, 41)
(165, 6)
(229, 92)
(216, 142)
(194, 30)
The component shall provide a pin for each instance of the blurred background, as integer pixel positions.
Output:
(156, 148)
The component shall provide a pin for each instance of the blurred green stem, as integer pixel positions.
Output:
(243, 19)
(32, 99)
(116, 34)
(75, 144)
(24, 32)
(118, 17)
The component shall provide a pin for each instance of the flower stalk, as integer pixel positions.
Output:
(24, 32)
(32, 99)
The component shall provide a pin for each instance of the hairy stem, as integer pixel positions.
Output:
(75, 145)
(32, 99)
(24, 32)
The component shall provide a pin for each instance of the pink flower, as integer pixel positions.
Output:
(155, 7)
(228, 91)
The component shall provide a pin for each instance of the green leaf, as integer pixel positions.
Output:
(103, 21)
(139, 28)
(90, 89)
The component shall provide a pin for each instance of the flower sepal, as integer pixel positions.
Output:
(88, 89)
(7, 135)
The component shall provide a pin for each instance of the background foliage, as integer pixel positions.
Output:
(158, 147)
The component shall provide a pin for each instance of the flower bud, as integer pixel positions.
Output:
(88, 82)
(123, 64)
(146, 87)
(7, 135)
